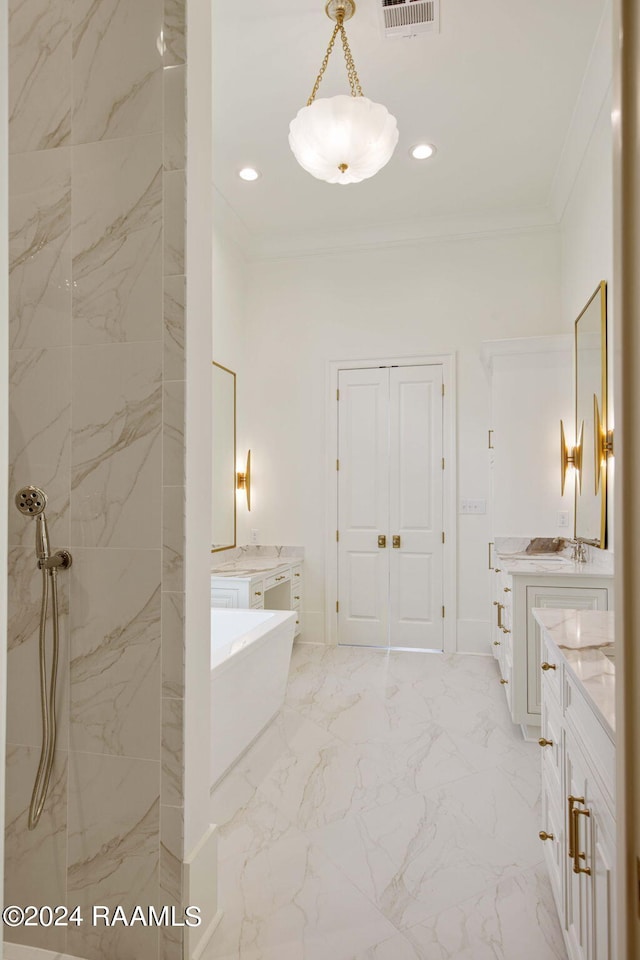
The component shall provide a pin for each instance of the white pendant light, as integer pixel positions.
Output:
(343, 139)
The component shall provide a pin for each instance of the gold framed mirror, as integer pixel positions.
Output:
(223, 532)
(590, 523)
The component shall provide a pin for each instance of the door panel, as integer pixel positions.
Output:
(363, 506)
(416, 586)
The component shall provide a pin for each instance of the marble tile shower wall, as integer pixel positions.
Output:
(97, 287)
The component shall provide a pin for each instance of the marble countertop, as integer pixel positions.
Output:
(512, 558)
(252, 566)
(585, 638)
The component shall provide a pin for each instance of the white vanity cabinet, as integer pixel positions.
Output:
(275, 586)
(578, 799)
(518, 587)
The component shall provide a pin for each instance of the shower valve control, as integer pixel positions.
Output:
(61, 559)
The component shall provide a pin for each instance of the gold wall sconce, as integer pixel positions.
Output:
(243, 481)
(570, 457)
(603, 443)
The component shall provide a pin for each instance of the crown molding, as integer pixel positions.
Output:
(295, 246)
(594, 95)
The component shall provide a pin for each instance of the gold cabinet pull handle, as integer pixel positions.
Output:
(544, 742)
(257, 593)
(496, 643)
(382, 541)
(491, 544)
(571, 844)
(396, 541)
(547, 666)
(297, 574)
(296, 598)
(281, 578)
(545, 836)
(503, 682)
(507, 589)
(577, 856)
(500, 609)
(504, 630)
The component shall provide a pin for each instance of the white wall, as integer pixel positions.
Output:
(428, 298)
(586, 228)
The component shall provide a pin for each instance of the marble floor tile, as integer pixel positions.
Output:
(420, 855)
(284, 898)
(388, 813)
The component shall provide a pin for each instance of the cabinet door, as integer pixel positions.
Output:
(573, 598)
(579, 885)
(554, 848)
(221, 597)
(604, 845)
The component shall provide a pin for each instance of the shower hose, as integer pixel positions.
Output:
(47, 695)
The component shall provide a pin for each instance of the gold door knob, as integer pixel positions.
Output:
(396, 541)
(257, 593)
(496, 643)
(507, 589)
(504, 681)
(548, 666)
(544, 742)
(296, 598)
(297, 574)
(545, 836)
(382, 541)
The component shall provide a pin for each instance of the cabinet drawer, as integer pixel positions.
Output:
(296, 572)
(257, 594)
(281, 576)
(591, 736)
(552, 597)
(551, 729)
(297, 594)
(550, 680)
(298, 627)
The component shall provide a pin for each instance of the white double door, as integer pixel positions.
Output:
(390, 513)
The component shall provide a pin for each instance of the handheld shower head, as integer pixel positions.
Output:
(31, 502)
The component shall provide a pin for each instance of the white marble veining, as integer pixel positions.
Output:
(389, 813)
(585, 638)
(512, 560)
(256, 552)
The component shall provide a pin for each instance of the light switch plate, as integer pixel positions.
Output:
(475, 507)
(254, 536)
(563, 518)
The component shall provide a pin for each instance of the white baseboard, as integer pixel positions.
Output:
(200, 889)
(474, 636)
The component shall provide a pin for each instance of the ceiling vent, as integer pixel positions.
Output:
(408, 18)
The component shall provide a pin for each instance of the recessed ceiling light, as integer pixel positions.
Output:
(249, 173)
(422, 151)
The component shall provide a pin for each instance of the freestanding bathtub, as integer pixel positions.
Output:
(250, 654)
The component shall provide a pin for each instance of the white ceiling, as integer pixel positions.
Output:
(494, 91)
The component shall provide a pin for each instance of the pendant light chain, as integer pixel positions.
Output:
(352, 73)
